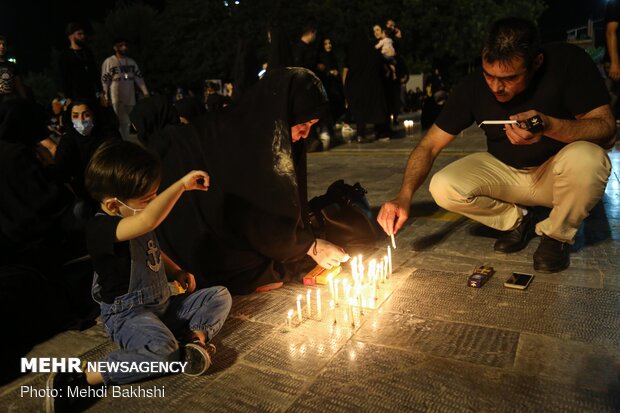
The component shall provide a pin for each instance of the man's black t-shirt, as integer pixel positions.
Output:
(8, 71)
(111, 259)
(566, 85)
(305, 55)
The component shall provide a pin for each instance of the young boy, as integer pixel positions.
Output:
(131, 283)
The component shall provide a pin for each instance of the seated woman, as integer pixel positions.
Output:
(249, 231)
(85, 134)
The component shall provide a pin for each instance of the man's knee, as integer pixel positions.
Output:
(584, 162)
(443, 190)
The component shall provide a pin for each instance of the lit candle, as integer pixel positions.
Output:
(332, 310)
(289, 319)
(354, 273)
(347, 289)
(389, 257)
(330, 280)
(372, 269)
(351, 312)
(318, 304)
(299, 308)
(308, 303)
(360, 266)
(393, 241)
(336, 281)
(385, 267)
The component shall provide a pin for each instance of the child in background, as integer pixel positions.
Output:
(386, 45)
(132, 274)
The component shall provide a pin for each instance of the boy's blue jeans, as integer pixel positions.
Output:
(146, 333)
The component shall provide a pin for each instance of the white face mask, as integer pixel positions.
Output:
(134, 210)
(83, 127)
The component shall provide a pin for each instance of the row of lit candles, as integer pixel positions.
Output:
(363, 281)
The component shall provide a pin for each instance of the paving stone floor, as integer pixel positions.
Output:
(433, 344)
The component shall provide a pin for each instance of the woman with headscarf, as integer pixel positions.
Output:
(364, 86)
(87, 131)
(249, 230)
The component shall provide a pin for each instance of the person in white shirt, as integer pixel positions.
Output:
(118, 75)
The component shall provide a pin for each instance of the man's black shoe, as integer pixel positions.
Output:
(551, 255)
(64, 386)
(517, 239)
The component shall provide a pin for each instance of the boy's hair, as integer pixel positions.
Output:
(123, 170)
(509, 38)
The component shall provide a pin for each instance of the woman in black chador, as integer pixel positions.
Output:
(248, 231)
(364, 86)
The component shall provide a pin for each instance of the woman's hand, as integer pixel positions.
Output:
(326, 254)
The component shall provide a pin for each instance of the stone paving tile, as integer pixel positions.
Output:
(371, 378)
(458, 341)
(570, 362)
(298, 353)
(576, 313)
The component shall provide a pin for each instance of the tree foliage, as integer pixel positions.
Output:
(192, 40)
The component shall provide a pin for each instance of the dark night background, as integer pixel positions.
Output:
(35, 29)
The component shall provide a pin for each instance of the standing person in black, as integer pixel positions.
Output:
(329, 73)
(612, 24)
(10, 82)
(364, 87)
(280, 50)
(559, 161)
(305, 52)
(78, 70)
(245, 68)
(305, 55)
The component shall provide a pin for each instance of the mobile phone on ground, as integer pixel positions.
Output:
(519, 280)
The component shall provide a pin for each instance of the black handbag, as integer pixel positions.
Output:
(342, 216)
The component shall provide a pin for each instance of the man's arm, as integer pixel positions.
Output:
(596, 126)
(611, 30)
(418, 167)
(106, 80)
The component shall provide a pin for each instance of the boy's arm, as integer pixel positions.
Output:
(185, 278)
(158, 209)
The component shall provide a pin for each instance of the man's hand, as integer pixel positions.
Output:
(326, 254)
(614, 72)
(520, 136)
(186, 280)
(393, 215)
(196, 180)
